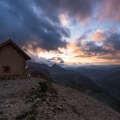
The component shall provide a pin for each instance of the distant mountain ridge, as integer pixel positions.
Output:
(95, 71)
(76, 80)
(111, 80)
(46, 68)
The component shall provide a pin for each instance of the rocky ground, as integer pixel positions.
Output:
(31, 99)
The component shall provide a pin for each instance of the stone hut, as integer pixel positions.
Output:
(12, 61)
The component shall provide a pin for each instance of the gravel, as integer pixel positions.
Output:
(71, 104)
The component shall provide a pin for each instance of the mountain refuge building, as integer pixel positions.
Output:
(12, 61)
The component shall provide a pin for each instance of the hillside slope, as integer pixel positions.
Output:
(65, 104)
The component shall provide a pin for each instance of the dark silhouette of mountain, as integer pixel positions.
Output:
(94, 71)
(76, 80)
(39, 68)
(108, 97)
(67, 77)
(45, 68)
(111, 80)
(55, 69)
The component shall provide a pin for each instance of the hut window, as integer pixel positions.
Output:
(6, 69)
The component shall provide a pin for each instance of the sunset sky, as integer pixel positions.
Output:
(66, 32)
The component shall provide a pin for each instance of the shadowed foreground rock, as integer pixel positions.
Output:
(31, 99)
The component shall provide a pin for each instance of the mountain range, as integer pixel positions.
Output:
(74, 79)
(110, 80)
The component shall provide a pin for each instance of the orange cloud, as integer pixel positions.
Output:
(82, 51)
(99, 35)
(109, 47)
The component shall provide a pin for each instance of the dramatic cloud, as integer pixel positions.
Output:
(40, 21)
(22, 23)
(82, 39)
(57, 60)
(99, 35)
(51, 28)
(110, 47)
(113, 41)
(79, 9)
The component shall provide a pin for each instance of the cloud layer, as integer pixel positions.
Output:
(23, 23)
(109, 49)
(38, 20)
(43, 25)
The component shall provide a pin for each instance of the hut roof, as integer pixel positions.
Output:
(10, 42)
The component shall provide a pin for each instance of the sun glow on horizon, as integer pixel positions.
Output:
(74, 53)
